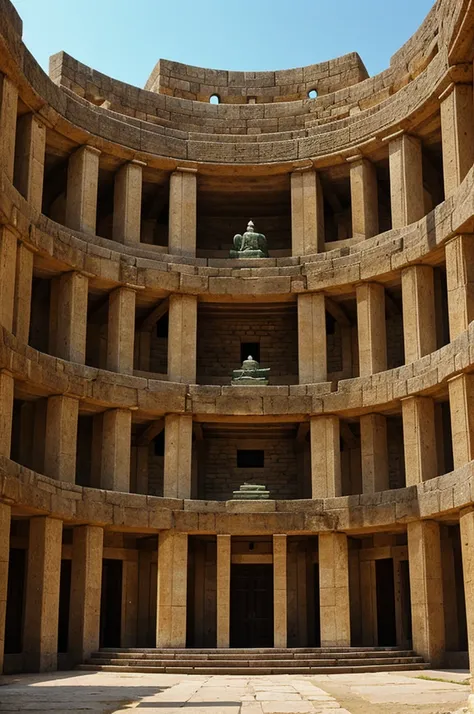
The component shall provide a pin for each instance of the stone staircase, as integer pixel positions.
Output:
(325, 660)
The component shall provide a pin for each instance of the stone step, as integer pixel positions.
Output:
(247, 671)
(287, 664)
(250, 650)
(229, 654)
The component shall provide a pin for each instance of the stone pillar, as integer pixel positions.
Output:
(86, 583)
(7, 276)
(368, 603)
(364, 198)
(172, 586)
(371, 328)
(129, 620)
(461, 405)
(466, 523)
(40, 634)
(7, 386)
(128, 203)
(406, 180)
(325, 457)
(373, 441)
(29, 159)
(23, 286)
(183, 210)
(419, 316)
(460, 280)
(280, 591)
(178, 455)
(82, 185)
(224, 550)
(307, 213)
(419, 439)
(334, 590)
(457, 132)
(71, 317)
(116, 445)
(121, 330)
(426, 590)
(8, 115)
(61, 438)
(182, 337)
(312, 341)
(5, 517)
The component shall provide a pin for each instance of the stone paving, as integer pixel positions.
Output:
(107, 693)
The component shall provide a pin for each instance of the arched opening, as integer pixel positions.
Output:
(214, 99)
(312, 94)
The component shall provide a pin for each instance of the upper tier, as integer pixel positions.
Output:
(172, 117)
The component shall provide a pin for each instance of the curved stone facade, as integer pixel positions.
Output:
(122, 440)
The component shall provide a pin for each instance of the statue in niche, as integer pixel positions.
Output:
(250, 374)
(250, 244)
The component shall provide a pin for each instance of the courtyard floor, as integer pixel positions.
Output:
(428, 692)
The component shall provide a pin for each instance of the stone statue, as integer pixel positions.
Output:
(250, 245)
(251, 492)
(250, 374)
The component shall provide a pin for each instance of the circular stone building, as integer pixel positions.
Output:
(130, 513)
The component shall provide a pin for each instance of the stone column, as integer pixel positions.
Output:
(457, 132)
(373, 442)
(40, 634)
(280, 591)
(466, 523)
(121, 330)
(334, 590)
(406, 180)
(82, 184)
(71, 317)
(460, 280)
(325, 457)
(368, 602)
(312, 341)
(307, 212)
(7, 276)
(461, 404)
(128, 203)
(8, 115)
(5, 517)
(116, 445)
(178, 455)
(7, 386)
(86, 583)
(129, 621)
(61, 438)
(224, 550)
(364, 198)
(172, 586)
(419, 317)
(29, 159)
(182, 337)
(183, 210)
(426, 590)
(23, 286)
(419, 439)
(371, 328)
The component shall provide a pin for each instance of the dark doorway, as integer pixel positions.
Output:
(316, 642)
(64, 601)
(386, 627)
(15, 600)
(111, 604)
(251, 606)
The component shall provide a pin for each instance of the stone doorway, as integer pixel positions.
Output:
(111, 603)
(251, 605)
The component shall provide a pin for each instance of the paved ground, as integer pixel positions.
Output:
(104, 693)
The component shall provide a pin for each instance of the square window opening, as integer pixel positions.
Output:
(249, 349)
(250, 458)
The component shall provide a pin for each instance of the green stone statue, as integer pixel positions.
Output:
(251, 492)
(250, 245)
(250, 374)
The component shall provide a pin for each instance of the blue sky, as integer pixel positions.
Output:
(125, 38)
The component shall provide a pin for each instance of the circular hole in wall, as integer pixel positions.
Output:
(312, 94)
(214, 99)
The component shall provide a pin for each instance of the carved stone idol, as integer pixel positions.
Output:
(250, 245)
(250, 374)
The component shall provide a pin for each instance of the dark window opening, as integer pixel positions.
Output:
(159, 442)
(162, 327)
(250, 458)
(250, 349)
